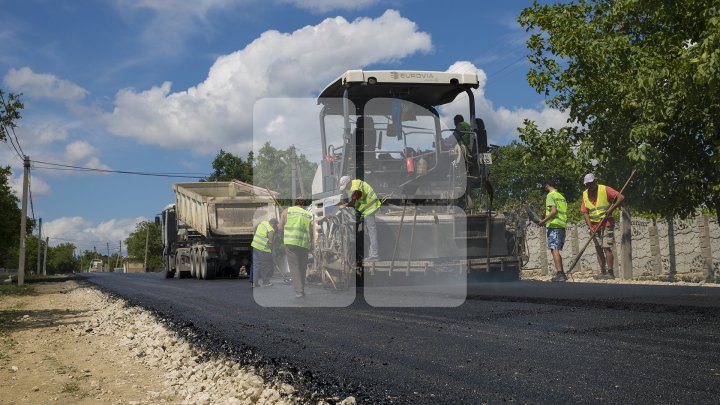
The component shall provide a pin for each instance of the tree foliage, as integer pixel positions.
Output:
(518, 180)
(640, 80)
(273, 170)
(10, 107)
(61, 259)
(135, 243)
(228, 167)
(9, 221)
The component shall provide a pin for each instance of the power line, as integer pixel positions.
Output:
(506, 66)
(83, 240)
(17, 153)
(59, 166)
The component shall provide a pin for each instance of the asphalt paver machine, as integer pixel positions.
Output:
(385, 128)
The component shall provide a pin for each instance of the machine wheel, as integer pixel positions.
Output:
(168, 272)
(347, 273)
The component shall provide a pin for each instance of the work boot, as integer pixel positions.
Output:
(610, 275)
(601, 276)
(559, 276)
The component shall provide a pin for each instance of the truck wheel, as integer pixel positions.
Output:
(202, 264)
(196, 263)
(178, 273)
(193, 271)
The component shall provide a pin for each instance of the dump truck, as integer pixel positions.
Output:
(207, 232)
(384, 128)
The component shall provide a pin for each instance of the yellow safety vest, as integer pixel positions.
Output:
(368, 202)
(297, 227)
(597, 211)
(263, 233)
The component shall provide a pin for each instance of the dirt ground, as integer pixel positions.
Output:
(43, 359)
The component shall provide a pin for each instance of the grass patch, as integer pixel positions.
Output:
(70, 388)
(7, 290)
(66, 369)
(6, 345)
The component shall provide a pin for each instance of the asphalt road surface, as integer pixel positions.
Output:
(523, 342)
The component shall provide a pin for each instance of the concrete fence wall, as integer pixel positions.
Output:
(661, 247)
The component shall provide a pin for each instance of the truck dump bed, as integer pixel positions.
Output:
(222, 208)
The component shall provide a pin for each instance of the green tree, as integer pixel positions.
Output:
(61, 259)
(227, 167)
(640, 80)
(518, 180)
(9, 113)
(10, 215)
(136, 244)
(272, 170)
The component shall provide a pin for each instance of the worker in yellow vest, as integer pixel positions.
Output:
(366, 203)
(262, 264)
(296, 223)
(597, 209)
(556, 221)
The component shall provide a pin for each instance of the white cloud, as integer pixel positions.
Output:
(42, 85)
(84, 233)
(501, 123)
(51, 134)
(218, 112)
(38, 186)
(322, 6)
(78, 150)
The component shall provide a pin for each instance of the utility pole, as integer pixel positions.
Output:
(39, 244)
(293, 172)
(147, 238)
(23, 222)
(108, 250)
(47, 241)
(117, 262)
(298, 169)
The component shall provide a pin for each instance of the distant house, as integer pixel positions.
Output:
(133, 265)
(96, 265)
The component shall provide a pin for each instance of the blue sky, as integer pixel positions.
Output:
(162, 85)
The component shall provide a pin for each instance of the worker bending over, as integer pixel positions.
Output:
(262, 265)
(366, 203)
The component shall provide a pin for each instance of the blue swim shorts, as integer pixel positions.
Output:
(555, 238)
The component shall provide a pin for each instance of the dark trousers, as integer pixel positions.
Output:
(297, 258)
(262, 267)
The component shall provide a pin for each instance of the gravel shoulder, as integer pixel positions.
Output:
(66, 342)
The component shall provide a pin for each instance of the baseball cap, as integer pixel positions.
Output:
(589, 178)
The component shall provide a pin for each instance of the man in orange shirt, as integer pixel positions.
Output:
(597, 210)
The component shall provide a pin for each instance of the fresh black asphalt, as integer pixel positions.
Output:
(521, 342)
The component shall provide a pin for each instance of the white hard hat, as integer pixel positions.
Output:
(589, 178)
(343, 183)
